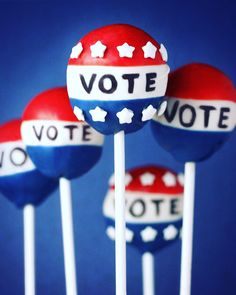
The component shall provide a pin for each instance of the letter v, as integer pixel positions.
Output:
(88, 87)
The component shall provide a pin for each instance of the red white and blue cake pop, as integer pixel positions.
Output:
(59, 144)
(116, 78)
(153, 208)
(20, 181)
(200, 115)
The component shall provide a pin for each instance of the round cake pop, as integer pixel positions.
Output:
(116, 78)
(200, 115)
(59, 144)
(20, 181)
(153, 208)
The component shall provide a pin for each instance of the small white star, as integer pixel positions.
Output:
(148, 234)
(125, 50)
(147, 179)
(111, 232)
(98, 114)
(181, 179)
(98, 49)
(169, 179)
(149, 50)
(76, 50)
(128, 179)
(125, 116)
(162, 108)
(148, 113)
(129, 235)
(163, 52)
(170, 232)
(79, 114)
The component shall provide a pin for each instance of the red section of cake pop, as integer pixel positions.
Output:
(10, 131)
(113, 36)
(200, 81)
(55, 99)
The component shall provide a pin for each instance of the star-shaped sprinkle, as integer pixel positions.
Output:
(162, 109)
(111, 232)
(148, 113)
(76, 50)
(170, 232)
(128, 179)
(163, 52)
(125, 116)
(98, 114)
(98, 49)
(125, 50)
(181, 179)
(147, 179)
(169, 179)
(148, 234)
(149, 50)
(79, 113)
(129, 235)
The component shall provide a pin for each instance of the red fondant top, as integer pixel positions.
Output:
(10, 131)
(200, 81)
(153, 179)
(113, 36)
(52, 104)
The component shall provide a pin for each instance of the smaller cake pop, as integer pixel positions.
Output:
(153, 208)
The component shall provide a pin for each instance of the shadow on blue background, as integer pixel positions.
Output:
(35, 42)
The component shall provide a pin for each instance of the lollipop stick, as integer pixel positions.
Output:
(187, 231)
(148, 274)
(29, 249)
(119, 160)
(68, 236)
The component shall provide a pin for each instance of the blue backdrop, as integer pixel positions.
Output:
(35, 42)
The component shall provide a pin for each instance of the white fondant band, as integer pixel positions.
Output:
(59, 133)
(116, 83)
(199, 115)
(14, 159)
(146, 207)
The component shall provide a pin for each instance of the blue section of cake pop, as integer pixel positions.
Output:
(65, 161)
(111, 124)
(29, 187)
(152, 246)
(188, 145)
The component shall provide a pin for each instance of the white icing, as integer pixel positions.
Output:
(98, 49)
(149, 50)
(98, 114)
(169, 179)
(147, 179)
(125, 116)
(170, 232)
(148, 113)
(76, 50)
(126, 50)
(148, 234)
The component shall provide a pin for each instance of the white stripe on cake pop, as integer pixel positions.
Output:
(148, 234)
(149, 50)
(59, 133)
(148, 113)
(116, 83)
(14, 159)
(98, 114)
(125, 50)
(76, 50)
(98, 49)
(125, 116)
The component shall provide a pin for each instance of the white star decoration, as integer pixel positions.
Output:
(162, 108)
(148, 113)
(148, 234)
(128, 179)
(170, 232)
(163, 52)
(129, 235)
(169, 179)
(149, 50)
(147, 179)
(79, 114)
(111, 232)
(98, 49)
(181, 179)
(125, 116)
(76, 50)
(98, 114)
(125, 50)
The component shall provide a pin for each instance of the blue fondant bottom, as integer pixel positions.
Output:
(188, 145)
(66, 161)
(154, 246)
(27, 188)
(112, 125)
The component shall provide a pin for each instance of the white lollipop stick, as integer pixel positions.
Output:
(120, 241)
(148, 274)
(187, 231)
(29, 249)
(68, 236)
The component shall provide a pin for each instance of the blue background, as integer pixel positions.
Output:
(35, 42)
